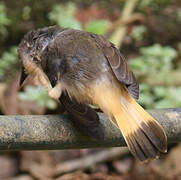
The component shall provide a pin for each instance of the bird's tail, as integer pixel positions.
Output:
(144, 136)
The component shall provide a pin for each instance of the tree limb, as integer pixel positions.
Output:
(118, 35)
(50, 132)
(90, 160)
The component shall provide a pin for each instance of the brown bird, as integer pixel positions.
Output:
(84, 68)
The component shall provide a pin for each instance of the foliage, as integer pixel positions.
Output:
(63, 15)
(138, 32)
(154, 59)
(38, 95)
(97, 26)
(7, 62)
(168, 97)
(158, 60)
(26, 14)
(4, 21)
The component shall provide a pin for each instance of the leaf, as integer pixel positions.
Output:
(97, 26)
(4, 20)
(63, 16)
(160, 91)
(7, 61)
(39, 95)
(154, 59)
(138, 32)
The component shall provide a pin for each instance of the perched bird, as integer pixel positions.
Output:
(80, 68)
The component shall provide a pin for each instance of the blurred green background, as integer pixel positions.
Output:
(149, 36)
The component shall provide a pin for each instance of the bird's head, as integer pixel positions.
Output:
(30, 54)
(31, 48)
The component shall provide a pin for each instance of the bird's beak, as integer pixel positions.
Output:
(23, 77)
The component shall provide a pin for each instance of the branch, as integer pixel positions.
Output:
(118, 35)
(134, 17)
(90, 160)
(48, 132)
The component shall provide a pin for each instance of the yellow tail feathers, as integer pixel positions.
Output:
(144, 136)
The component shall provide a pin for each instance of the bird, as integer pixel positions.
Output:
(81, 68)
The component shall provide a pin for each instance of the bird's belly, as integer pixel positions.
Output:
(89, 91)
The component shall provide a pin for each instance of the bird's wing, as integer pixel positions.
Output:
(84, 117)
(118, 64)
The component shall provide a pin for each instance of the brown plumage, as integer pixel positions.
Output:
(86, 68)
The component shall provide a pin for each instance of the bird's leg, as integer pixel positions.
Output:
(56, 91)
(37, 73)
(36, 80)
(43, 80)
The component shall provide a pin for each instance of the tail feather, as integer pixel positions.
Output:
(144, 136)
(135, 149)
(155, 134)
(142, 145)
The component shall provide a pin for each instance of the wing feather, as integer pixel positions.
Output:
(118, 64)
